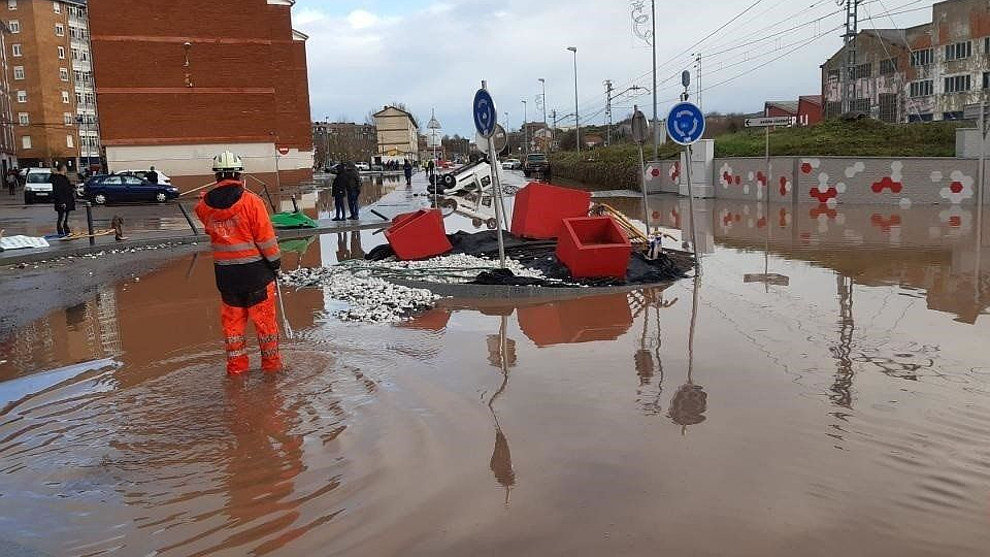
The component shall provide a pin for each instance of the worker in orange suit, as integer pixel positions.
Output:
(246, 259)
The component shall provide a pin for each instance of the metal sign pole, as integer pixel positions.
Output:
(694, 229)
(499, 217)
(646, 197)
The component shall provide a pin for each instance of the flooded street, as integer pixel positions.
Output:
(823, 388)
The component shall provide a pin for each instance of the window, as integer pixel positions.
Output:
(863, 70)
(70, 142)
(888, 107)
(860, 105)
(922, 57)
(957, 84)
(11, 4)
(57, 7)
(61, 53)
(833, 109)
(79, 97)
(924, 88)
(986, 80)
(16, 49)
(65, 97)
(59, 30)
(24, 119)
(955, 115)
(15, 26)
(18, 72)
(22, 96)
(63, 74)
(986, 45)
(888, 67)
(958, 51)
(26, 142)
(68, 119)
(927, 117)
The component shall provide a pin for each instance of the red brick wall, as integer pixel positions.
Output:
(809, 113)
(250, 80)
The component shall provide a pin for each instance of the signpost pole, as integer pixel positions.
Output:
(486, 122)
(497, 186)
(694, 229)
(641, 130)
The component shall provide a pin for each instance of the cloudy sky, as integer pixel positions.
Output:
(433, 54)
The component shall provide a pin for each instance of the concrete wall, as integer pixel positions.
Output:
(833, 180)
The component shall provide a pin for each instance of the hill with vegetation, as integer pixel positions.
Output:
(615, 167)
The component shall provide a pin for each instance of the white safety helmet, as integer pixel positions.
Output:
(227, 162)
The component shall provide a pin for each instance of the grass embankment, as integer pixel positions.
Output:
(616, 167)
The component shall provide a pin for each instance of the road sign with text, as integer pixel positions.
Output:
(769, 122)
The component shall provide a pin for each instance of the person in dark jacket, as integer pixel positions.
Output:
(339, 191)
(407, 170)
(65, 199)
(152, 176)
(353, 185)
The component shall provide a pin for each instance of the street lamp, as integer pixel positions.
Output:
(525, 130)
(577, 117)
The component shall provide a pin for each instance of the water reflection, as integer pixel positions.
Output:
(501, 354)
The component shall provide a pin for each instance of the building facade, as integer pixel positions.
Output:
(343, 141)
(179, 81)
(51, 82)
(923, 73)
(398, 134)
(8, 148)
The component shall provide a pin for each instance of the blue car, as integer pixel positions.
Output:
(116, 188)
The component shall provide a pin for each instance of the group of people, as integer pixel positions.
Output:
(346, 189)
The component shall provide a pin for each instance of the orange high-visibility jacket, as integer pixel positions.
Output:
(245, 249)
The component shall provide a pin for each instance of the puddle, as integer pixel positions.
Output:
(847, 412)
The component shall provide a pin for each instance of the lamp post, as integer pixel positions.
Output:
(577, 117)
(525, 130)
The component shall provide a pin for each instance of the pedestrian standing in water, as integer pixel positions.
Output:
(11, 179)
(407, 170)
(65, 199)
(353, 185)
(338, 189)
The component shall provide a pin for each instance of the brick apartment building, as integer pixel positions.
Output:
(178, 81)
(8, 149)
(51, 81)
(923, 73)
(344, 141)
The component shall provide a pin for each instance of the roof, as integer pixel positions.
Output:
(787, 106)
(411, 117)
(893, 36)
(815, 99)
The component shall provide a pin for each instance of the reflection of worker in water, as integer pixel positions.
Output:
(246, 257)
(263, 460)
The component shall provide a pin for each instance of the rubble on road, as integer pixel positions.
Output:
(98, 254)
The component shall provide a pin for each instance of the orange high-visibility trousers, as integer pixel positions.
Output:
(234, 320)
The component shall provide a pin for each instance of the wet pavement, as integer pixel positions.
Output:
(820, 389)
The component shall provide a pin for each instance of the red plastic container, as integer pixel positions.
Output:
(590, 319)
(594, 247)
(540, 208)
(419, 235)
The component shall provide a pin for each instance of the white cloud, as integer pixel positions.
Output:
(361, 19)
(307, 16)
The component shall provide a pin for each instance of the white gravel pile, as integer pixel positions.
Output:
(369, 299)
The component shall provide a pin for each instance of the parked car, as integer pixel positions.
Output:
(363, 166)
(536, 163)
(511, 164)
(143, 174)
(38, 185)
(113, 188)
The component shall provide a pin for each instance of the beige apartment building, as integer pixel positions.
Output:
(398, 134)
(51, 81)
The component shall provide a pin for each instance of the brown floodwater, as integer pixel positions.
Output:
(823, 388)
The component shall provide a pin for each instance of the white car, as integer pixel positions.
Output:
(143, 174)
(38, 185)
(511, 164)
(363, 166)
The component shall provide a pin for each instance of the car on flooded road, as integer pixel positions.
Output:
(116, 188)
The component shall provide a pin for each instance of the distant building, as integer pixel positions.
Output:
(8, 148)
(342, 141)
(810, 110)
(51, 81)
(179, 81)
(923, 73)
(777, 109)
(398, 134)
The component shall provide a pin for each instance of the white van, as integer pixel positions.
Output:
(38, 186)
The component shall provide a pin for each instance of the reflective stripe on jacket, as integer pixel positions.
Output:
(245, 249)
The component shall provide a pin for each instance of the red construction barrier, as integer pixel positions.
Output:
(590, 319)
(419, 235)
(539, 209)
(594, 247)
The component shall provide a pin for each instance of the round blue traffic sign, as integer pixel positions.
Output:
(685, 123)
(485, 114)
